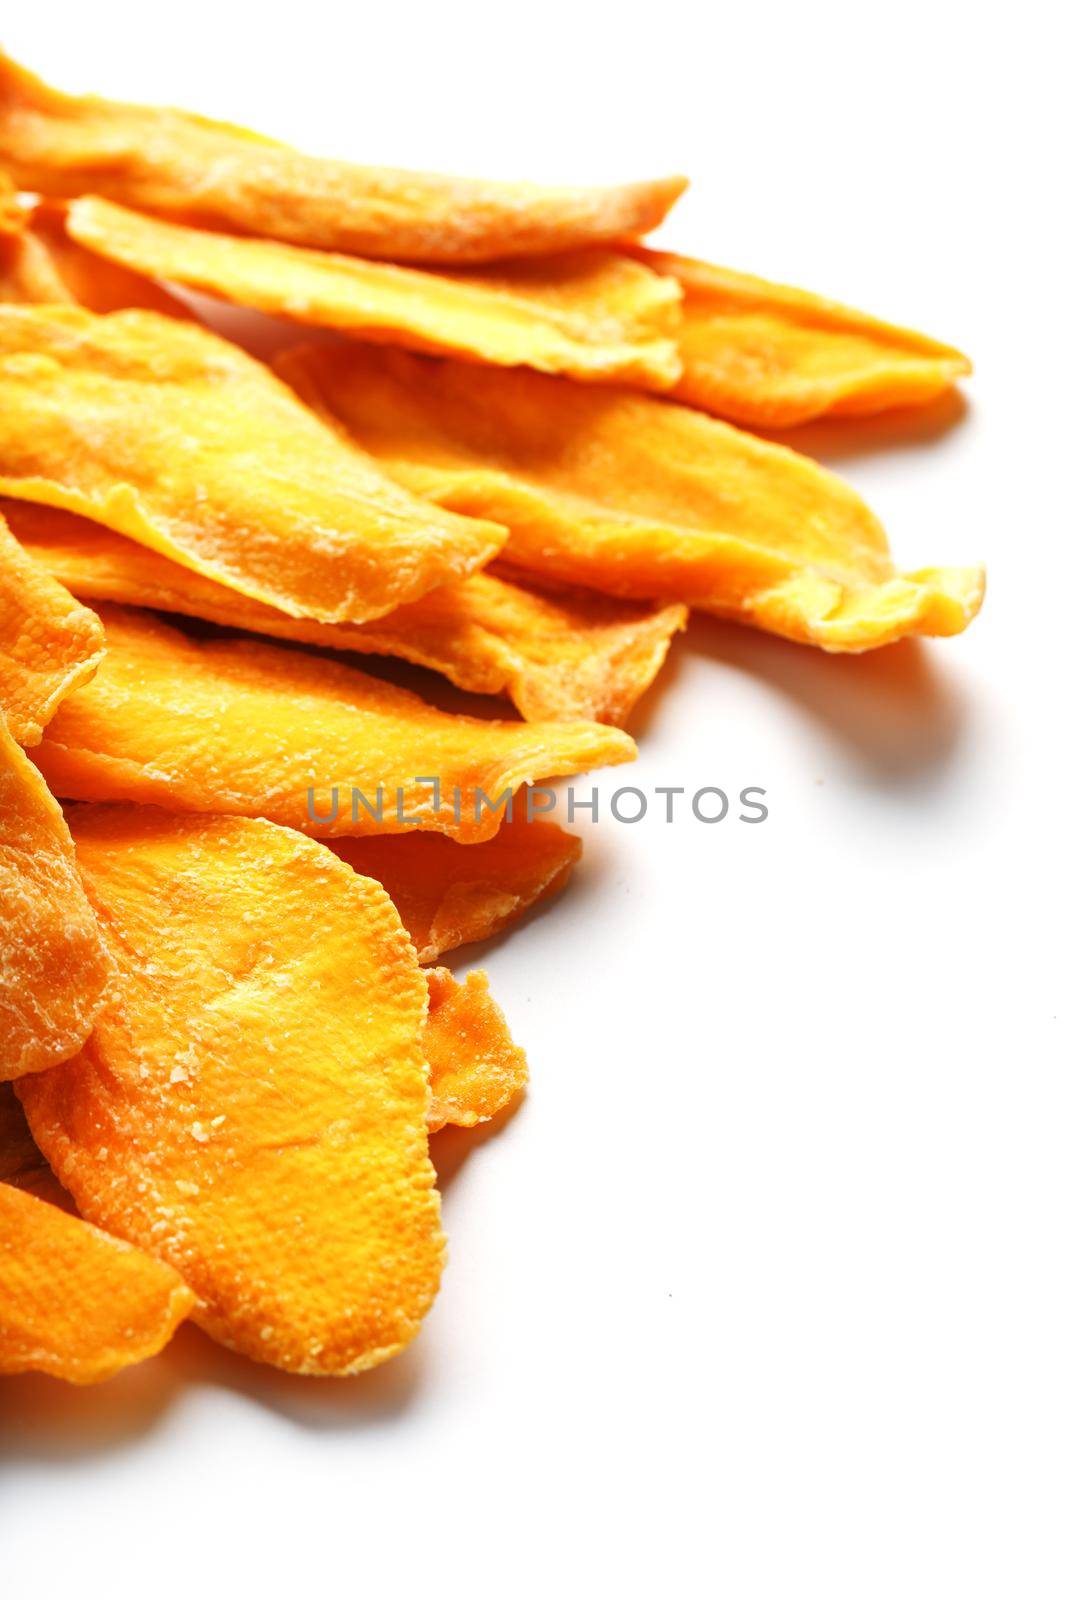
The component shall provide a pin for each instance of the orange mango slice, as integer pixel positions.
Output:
(49, 644)
(74, 1302)
(53, 965)
(40, 264)
(250, 729)
(637, 496)
(771, 356)
(449, 894)
(252, 1110)
(184, 166)
(594, 314)
(174, 436)
(476, 1068)
(569, 655)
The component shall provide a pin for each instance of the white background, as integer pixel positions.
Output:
(761, 1292)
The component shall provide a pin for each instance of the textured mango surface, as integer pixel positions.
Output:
(637, 496)
(770, 356)
(75, 1302)
(172, 435)
(594, 314)
(252, 1109)
(53, 965)
(247, 729)
(184, 166)
(562, 656)
(49, 644)
(476, 1068)
(450, 894)
(40, 264)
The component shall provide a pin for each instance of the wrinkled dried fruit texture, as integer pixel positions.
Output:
(565, 656)
(184, 166)
(449, 894)
(594, 314)
(770, 356)
(168, 433)
(476, 1068)
(247, 729)
(53, 965)
(253, 1109)
(49, 644)
(40, 264)
(637, 496)
(74, 1302)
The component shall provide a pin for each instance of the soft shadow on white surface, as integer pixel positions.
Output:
(913, 428)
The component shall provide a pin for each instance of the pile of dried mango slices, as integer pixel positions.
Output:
(222, 1049)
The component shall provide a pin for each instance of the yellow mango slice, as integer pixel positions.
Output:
(770, 356)
(49, 644)
(184, 166)
(563, 656)
(252, 1110)
(449, 894)
(637, 496)
(168, 433)
(74, 1302)
(476, 1068)
(53, 965)
(594, 314)
(40, 264)
(248, 729)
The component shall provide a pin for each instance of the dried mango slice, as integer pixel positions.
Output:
(771, 356)
(449, 894)
(12, 216)
(476, 1068)
(637, 496)
(253, 1108)
(594, 314)
(74, 1302)
(566, 656)
(184, 166)
(53, 966)
(40, 264)
(248, 729)
(49, 644)
(168, 433)
(19, 1156)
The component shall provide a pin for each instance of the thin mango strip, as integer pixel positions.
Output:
(74, 1302)
(53, 965)
(168, 433)
(256, 730)
(449, 894)
(185, 166)
(40, 264)
(637, 496)
(594, 314)
(563, 656)
(252, 1110)
(49, 644)
(771, 356)
(476, 1068)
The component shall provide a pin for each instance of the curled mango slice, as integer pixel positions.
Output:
(594, 314)
(449, 894)
(49, 644)
(74, 1302)
(250, 729)
(172, 435)
(184, 166)
(40, 264)
(770, 356)
(53, 965)
(562, 656)
(637, 496)
(476, 1068)
(253, 1108)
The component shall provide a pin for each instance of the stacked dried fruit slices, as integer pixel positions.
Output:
(223, 1048)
